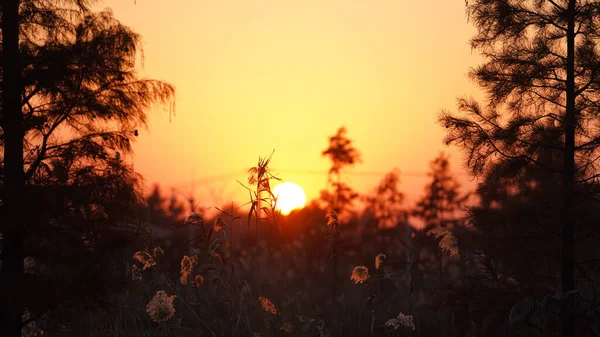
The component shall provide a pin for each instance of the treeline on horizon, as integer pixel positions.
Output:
(297, 250)
(84, 253)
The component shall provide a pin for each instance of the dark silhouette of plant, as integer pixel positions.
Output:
(442, 203)
(342, 154)
(80, 104)
(386, 201)
(263, 203)
(164, 211)
(13, 223)
(441, 212)
(541, 79)
(260, 177)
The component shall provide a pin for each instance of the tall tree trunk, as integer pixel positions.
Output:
(11, 221)
(568, 229)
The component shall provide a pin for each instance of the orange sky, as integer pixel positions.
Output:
(283, 75)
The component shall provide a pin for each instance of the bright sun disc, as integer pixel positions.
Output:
(289, 197)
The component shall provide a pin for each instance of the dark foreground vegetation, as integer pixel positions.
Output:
(85, 253)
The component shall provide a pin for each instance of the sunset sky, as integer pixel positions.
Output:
(263, 75)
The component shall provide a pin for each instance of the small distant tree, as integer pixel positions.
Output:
(443, 201)
(176, 207)
(386, 202)
(441, 209)
(164, 211)
(342, 154)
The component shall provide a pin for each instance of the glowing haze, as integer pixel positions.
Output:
(283, 75)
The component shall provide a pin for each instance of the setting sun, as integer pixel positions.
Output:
(289, 196)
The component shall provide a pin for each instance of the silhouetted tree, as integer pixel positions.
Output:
(12, 223)
(342, 154)
(541, 79)
(386, 202)
(441, 206)
(176, 207)
(442, 203)
(79, 105)
(164, 211)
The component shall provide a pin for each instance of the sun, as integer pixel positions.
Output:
(289, 196)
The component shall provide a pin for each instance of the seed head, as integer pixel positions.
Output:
(267, 305)
(379, 260)
(448, 242)
(287, 327)
(136, 273)
(401, 320)
(198, 281)
(161, 307)
(145, 259)
(30, 265)
(332, 219)
(187, 265)
(158, 251)
(219, 224)
(360, 274)
(194, 219)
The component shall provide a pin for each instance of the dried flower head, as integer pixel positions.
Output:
(198, 281)
(332, 219)
(140, 256)
(218, 257)
(393, 322)
(30, 265)
(520, 311)
(287, 327)
(161, 307)
(401, 320)
(136, 273)
(158, 252)
(507, 280)
(187, 265)
(448, 242)
(219, 224)
(253, 176)
(267, 305)
(360, 274)
(379, 260)
(194, 219)
(145, 259)
(30, 329)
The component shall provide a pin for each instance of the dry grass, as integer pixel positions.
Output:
(302, 275)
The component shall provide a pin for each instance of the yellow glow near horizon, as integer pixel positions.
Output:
(289, 196)
(257, 76)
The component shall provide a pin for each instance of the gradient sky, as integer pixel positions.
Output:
(263, 75)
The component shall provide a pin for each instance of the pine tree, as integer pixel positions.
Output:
(440, 207)
(386, 202)
(540, 75)
(442, 204)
